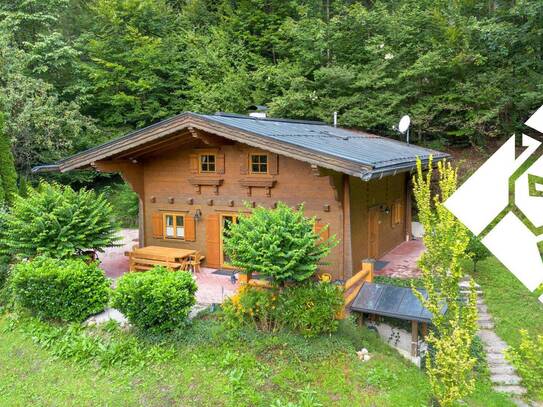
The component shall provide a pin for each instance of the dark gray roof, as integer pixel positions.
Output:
(359, 147)
(393, 301)
(353, 152)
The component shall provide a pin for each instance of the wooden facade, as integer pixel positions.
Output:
(185, 205)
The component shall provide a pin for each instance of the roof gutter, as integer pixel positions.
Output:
(45, 168)
(395, 169)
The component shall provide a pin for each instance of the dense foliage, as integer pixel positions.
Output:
(527, 358)
(67, 290)
(58, 222)
(157, 300)
(73, 73)
(8, 175)
(310, 308)
(280, 243)
(450, 369)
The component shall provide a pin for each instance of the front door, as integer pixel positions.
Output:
(373, 232)
(226, 221)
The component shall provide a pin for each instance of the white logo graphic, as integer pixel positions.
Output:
(502, 203)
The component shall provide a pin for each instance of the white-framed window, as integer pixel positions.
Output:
(174, 226)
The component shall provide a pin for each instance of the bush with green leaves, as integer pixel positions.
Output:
(66, 290)
(158, 300)
(476, 250)
(527, 358)
(280, 243)
(310, 308)
(56, 221)
(125, 204)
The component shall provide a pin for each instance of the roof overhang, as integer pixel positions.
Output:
(160, 131)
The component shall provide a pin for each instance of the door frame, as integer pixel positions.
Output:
(222, 215)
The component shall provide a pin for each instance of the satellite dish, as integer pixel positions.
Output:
(404, 124)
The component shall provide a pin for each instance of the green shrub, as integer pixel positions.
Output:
(67, 290)
(476, 250)
(528, 360)
(253, 306)
(56, 221)
(125, 204)
(311, 308)
(280, 243)
(157, 300)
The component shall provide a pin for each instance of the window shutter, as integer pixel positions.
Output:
(322, 230)
(194, 165)
(190, 229)
(158, 227)
(213, 240)
(220, 163)
(273, 166)
(244, 163)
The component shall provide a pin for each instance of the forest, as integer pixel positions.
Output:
(75, 73)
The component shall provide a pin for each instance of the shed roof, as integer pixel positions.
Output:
(353, 152)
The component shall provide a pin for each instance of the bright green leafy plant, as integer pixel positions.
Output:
(311, 308)
(56, 221)
(280, 243)
(158, 300)
(67, 290)
(450, 370)
(527, 358)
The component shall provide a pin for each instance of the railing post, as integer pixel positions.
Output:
(244, 278)
(369, 266)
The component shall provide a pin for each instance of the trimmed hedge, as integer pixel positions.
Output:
(157, 300)
(67, 290)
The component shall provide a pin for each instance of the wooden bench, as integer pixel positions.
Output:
(145, 258)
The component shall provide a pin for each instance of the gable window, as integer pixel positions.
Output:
(174, 226)
(208, 163)
(259, 164)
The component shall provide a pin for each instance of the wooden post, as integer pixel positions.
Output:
(369, 266)
(414, 338)
(244, 278)
(360, 319)
(347, 245)
(424, 329)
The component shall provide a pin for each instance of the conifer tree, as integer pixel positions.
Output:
(8, 175)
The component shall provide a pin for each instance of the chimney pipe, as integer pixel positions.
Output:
(335, 119)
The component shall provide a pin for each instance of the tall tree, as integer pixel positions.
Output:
(8, 175)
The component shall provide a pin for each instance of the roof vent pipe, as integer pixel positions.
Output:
(335, 119)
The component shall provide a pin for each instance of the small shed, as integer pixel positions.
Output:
(395, 302)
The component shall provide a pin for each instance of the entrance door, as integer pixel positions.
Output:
(226, 221)
(373, 232)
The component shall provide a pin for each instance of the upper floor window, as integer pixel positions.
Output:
(259, 164)
(208, 163)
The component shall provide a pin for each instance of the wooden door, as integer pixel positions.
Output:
(213, 241)
(373, 232)
(226, 221)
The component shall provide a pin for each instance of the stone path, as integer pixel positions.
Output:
(502, 373)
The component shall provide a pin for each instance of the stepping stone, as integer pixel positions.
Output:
(501, 369)
(512, 389)
(506, 379)
(486, 325)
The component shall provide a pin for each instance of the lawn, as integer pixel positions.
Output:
(210, 366)
(512, 306)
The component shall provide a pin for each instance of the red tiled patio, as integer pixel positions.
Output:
(401, 262)
(212, 288)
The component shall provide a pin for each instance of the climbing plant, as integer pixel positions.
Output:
(446, 240)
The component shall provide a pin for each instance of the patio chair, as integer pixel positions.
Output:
(194, 262)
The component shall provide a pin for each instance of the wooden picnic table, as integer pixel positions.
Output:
(145, 258)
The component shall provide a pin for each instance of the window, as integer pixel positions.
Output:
(259, 164)
(174, 226)
(208, 163)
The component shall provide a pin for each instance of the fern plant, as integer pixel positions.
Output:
(57, 222)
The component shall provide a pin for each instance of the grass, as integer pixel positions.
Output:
(511, 305)
(215, 367)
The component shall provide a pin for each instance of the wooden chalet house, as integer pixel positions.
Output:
(194, 174)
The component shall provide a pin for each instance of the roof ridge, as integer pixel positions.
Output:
(268, 119)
